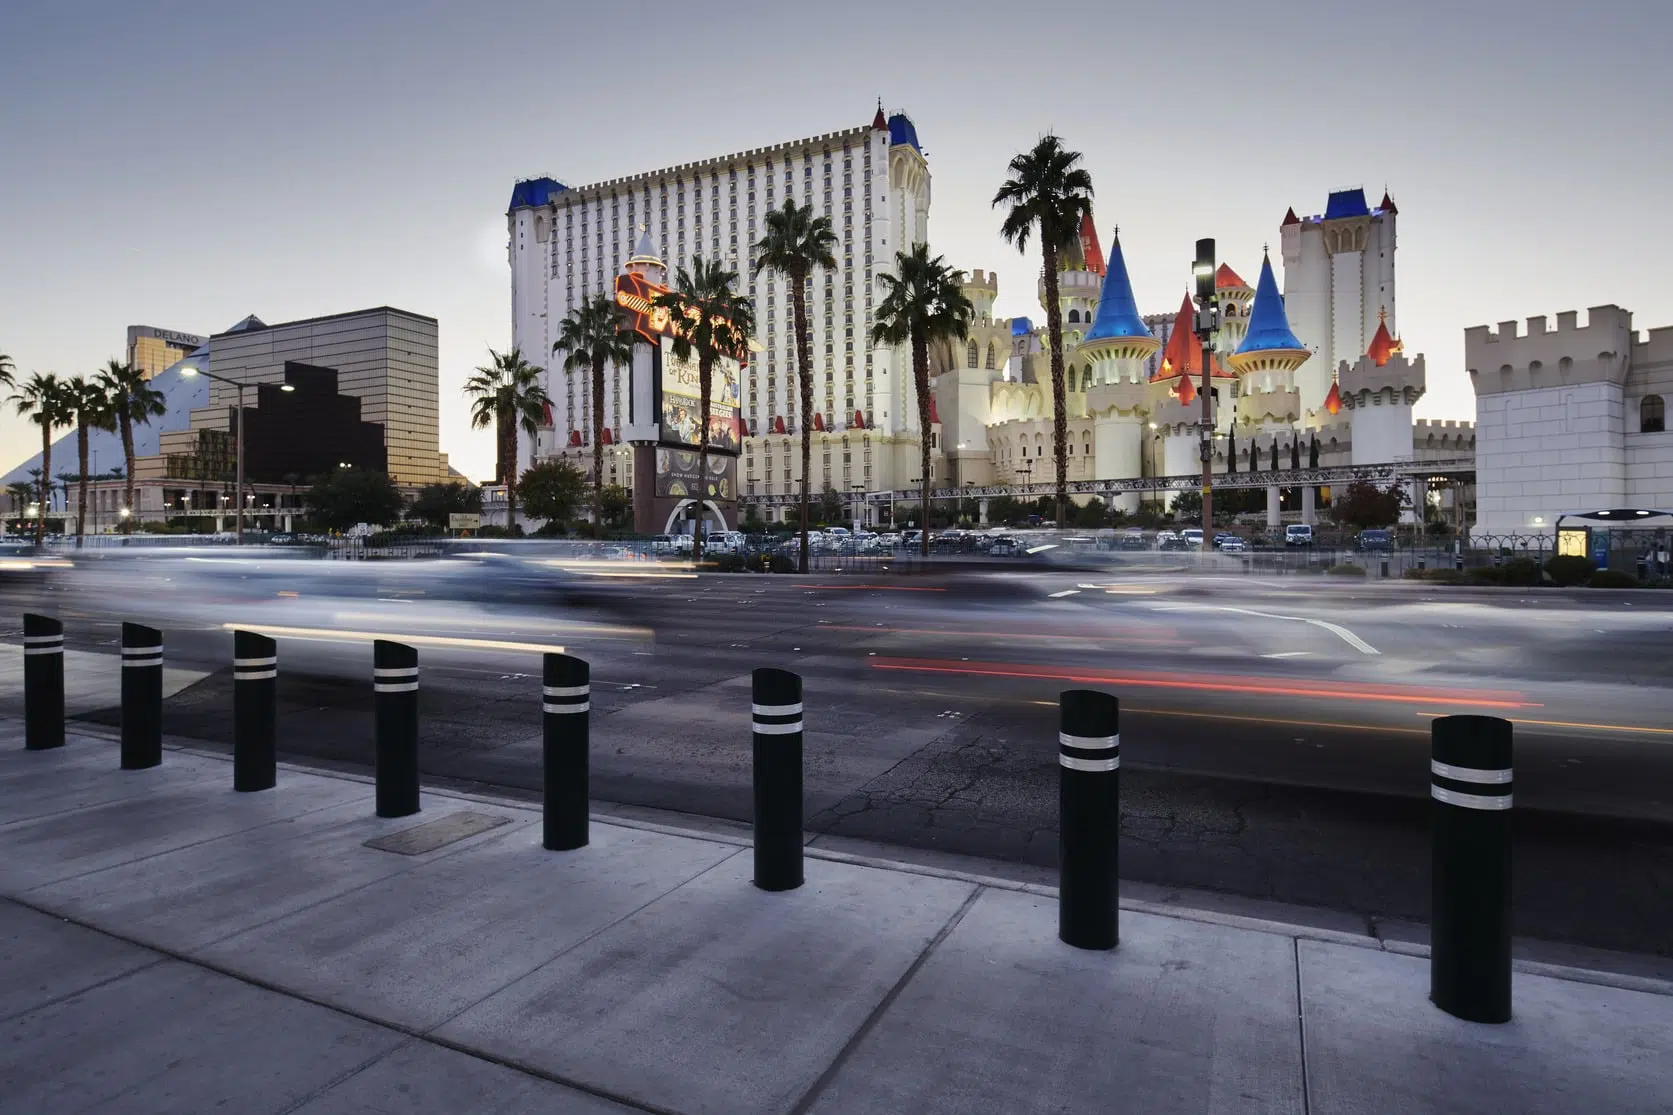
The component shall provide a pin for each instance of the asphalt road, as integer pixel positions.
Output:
(1274, 730)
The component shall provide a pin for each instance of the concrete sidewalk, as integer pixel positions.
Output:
(174, 947)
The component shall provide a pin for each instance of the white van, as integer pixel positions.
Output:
(1298, 534)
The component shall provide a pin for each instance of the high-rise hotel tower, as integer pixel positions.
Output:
(569, 243)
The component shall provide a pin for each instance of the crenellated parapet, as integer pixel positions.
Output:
(1503, 359)
(1124, 398)
(1279, 406)
(1398, 382)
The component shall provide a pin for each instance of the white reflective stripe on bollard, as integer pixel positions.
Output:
(582, 707)
(1469, 774)
(254, 675)
(136, 663)
(394, 686)
(1091, 743)
(566, 690)
(135, 652)
(43, 640)
(395, 671)
(1100, 766)
(778, 729)
(238, 663)
(777, 710)
(1470, 801)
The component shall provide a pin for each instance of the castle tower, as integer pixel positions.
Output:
(1338, 277)
(644, 261)
(1266, 363)
(1182, 360)
(961, 393)
(1235, 295)
(1379, 390)
(1116, 347)
(1080, 276)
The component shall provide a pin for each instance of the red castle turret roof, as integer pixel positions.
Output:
(1388, 204)
(1227, 279)
(880, 122)
(1333, 401)
(1290, 218)
(1383, 345)
(1183, 356)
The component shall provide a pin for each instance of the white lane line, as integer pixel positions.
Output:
(1334, 628)
(1065, 592)
(1287, 654)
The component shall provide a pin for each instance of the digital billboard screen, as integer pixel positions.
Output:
(676, 475)
(681, 402)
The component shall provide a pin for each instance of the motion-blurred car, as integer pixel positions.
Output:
(1004, 546)
(1192, 537)
(1131, 539)
(1169, 540)
(1231, 544)
(1375, 540)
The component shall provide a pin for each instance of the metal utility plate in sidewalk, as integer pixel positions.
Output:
(439, 833)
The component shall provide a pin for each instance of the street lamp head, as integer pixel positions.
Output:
(287, 387)
(188, 370)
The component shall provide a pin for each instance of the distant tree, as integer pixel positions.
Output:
(553, 489)
(91, 405)
(507, 394)
(923, 304)
(1231, 450)
(132, 400)
(1275, 454)
(618, 507)
(590, 338)
(1050, 193)
(1313, 451)
(45, 401)
(797, 242)
(350, 496)
(435, 502)
(1091, 516)
(1364, 506)
(1006, 510)
(830, 506)
(1187, 507)
(1295, 452)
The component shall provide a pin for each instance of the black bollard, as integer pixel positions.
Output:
(1470, 782)
(255, 711)
(395, 685)
(43, 683)
(564, 741)
(142, 696)
(776, 710)
(1089, 824)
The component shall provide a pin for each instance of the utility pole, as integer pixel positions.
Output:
(1208, 320)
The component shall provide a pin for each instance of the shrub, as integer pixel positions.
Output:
(1441, 576)
(1346, 570)
(1570, 570)
(730, 563)
(1519, 571)
(781, 563)
(1612, 578)
(1485, 575)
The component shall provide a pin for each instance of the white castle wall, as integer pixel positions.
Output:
(1542, 452)
(1117, 448)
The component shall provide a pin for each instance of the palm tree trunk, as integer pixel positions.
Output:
(126, 423)
(81, 482)
(1059, 391)
(46, 483)
(705, 385)
(598, 448)
(511, 478)
(920, 379)
(804, 373)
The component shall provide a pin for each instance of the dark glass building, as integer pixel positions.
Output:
(308, 431)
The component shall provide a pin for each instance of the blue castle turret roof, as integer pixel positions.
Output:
(1118, 310)
(1269, 326)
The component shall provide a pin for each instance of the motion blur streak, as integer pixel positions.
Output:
(332, 635)
(1014, 635)
(1271, 687)
(521, 626)
(1575, 724)
(878, 588)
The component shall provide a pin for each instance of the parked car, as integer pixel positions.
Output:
(1004, 546)
(665, 544)
(1131, 539)
(1233, 545)
(1169, 540)
(1375, 540)
(1298, 534)
(1192, 537)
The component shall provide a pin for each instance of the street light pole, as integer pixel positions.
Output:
(192, 370)
(1207, 322)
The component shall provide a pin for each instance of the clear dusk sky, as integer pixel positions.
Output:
(185, 164)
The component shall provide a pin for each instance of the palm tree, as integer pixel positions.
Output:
(1048, 190)
(795, 243)
(591, 337)
(923, 305)
(711, 320)
(43, 400)
(91, 407)
(507, 394)
(132, 399)
(6, 370)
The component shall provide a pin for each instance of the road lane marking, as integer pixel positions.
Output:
(1334, 628)
(1287, 654)
(1574, 724)
(1065, 592)
(332, 635)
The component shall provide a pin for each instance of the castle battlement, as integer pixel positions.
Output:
(1505, 359)
(1363, 381)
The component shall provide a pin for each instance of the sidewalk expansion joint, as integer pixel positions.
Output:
(865, 1028)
